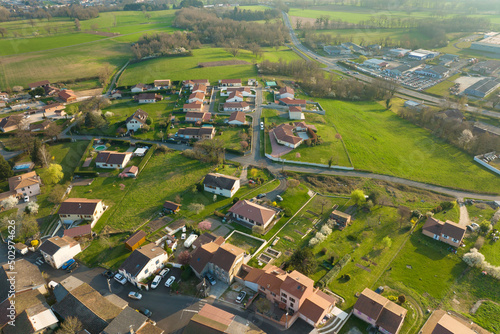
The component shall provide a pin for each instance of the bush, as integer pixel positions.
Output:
(473, 258)
(258, 230)
(401, 299)
(326, 230)
(163, 149)
(288, 212)
(329, 276)
(313, 241)
(235, 200)
(447, 205)
(219, 214)
(186, 274)
(31, 208)
(320, 236)
(86, 174)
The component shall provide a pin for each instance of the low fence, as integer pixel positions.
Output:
(307, 163)
(264, 242)
(485, 164)
(321, 111)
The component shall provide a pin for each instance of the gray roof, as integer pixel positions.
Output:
(66, 286)
(127, 319)
(485, 85)
(140, 258)
(28, 277)
(220, 181)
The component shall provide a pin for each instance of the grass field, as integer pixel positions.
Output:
(487, 316)
(246, 243)
(380, 141)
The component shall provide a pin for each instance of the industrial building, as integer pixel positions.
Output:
(491, 43)
(421, 54)
(483, 87)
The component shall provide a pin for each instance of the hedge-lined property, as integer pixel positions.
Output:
(329, 276)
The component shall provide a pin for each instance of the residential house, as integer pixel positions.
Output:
(197, 106)
(57, 250)
(293, 102)
(10, 123)
(139, 88)
(295, 112)
(130, 321)
(196, 98)
(35, 319)
(434, 71)
(4, 96)
(43, 83)
(245, 91)
(78, 232)
(198, 116)
(148, 98)
(236, 106)
(237, 118)
(131, 171)
(137, 120)
(190, 83)
(112, 159)
(116, 94)
(142, 263)
(447, 232)
(223, 261)
(442, 322)
(171, 207)
(220, 184)
(135, 240)
(162, 84)
(380, 312)
(35, 127)
(293, 292)
(303, 126)
(74, 209)
(283, 134)
(235, 96)
(94, 311)
(286, 92)
(207, 238)
(199, 88)
(27, 184)
(341, 219)
(53, 110)
(230, 82)
(197, 133)
(252, 213)
(67, 95)
(27, 277)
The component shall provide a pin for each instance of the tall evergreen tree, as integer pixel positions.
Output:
(35, 153)
(5, 170)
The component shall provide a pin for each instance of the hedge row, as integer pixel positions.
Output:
(85, 173)
(329, 276)
(146, 158)
(84, 156)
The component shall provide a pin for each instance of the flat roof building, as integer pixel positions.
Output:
(489, 44)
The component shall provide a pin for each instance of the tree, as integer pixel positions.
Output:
(70, 325)
(32, 208)
(24, 138)
(465, 138)
(3, 32)
(184, 257)
(330, 162)
(401, 299)
(104, 75)
(258, 229)
(358, 197)
(39, 91)
(484, 226)
(53, 131)
(191, 3)
(263, 305)
(53, 174)
(387, 242)
(323, 201)
(244, 145)
(28, 227)
(388, 104)
(196, 207)
(473, 258)
(5, 169)
(326, 230)
(9, 203)
(205, 225)
(57, 193)
(303, 260)
(77, 25)
(35, 153)
(94, 119)
(404, 214)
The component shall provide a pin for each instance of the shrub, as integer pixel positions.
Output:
(401, 299)
(219, 214)
(320, 236)
(31, 208)
(196, 207)
(287, 212)
(258, 229)
(326, 230)
(473, 258)
(313, 241)
(186, 274)
(447, 205)
(235, 200)
(163, 149)
(324, 250)
(9, 203)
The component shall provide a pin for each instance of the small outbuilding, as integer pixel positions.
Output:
(135, 240)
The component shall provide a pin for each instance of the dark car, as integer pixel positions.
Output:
(259, 196)
(146, 312)
(72, 267)
(108, 274)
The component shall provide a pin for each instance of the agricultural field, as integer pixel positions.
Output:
(380, 141)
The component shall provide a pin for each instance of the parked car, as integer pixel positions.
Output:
(251, 181)
(67, 264)
(120, 279)
(259, 196)
(72, 267)
(170, 281)
(279, 198)
(241, 296)
(164, 272)
(475, 225)
(108, 274)
(26, 199)
(156, 282)
(134, 295)
(211, 279)
(183, 236)
(184, 229)
(146, 312)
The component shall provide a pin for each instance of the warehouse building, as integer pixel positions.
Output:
(483, 87)
(489, 44)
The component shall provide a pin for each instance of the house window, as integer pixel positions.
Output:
(445, 236)
(262, 288)
(292, 300)
(291, 305)
(273, 294)
(283, 300)
(284, 294)
(146, 271)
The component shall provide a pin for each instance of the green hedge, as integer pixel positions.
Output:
(86, 173)
(84, 156)
(146, 158)
(329, 276)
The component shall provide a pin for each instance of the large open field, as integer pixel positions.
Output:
(381, 142)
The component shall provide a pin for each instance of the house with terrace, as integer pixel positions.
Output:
(43, 84)
(197, 133)
(196, 98)
(162, 84)
(245, 91)
(447, 232)
(442, 322)
(236, 106)
(237, 118)
(293, 292)
(252, 214)
(284, 134)
(235, 96)
(230, 82)
(112, 159)
(27, 184)
(191, 83)
(75, 209)
(199, 88)
(35, 127)
(57, 250)
(198, 116)
(142, 263)
(222, 260)
(137, 120)
(384, 315)
(220, 184)
(10, 123)
(53, 110)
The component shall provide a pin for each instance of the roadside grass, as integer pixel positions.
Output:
(380, 141)
(249, 245)
(443, 88)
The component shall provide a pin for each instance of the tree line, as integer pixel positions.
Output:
(164, 44)
(251, 15)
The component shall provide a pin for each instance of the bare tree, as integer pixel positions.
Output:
(70, 325)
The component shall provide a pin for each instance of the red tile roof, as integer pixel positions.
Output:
(237, 116)
(252, 211)
(78, 231)
(284, 132)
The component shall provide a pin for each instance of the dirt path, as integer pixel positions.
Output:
(464, 215)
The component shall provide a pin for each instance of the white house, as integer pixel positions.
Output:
(197, 106)
(220, 184)
(191, 83)
(143, 262)
(252, 213)
(148, 98)
(295, 112)
(230, 82)
(162, 84)
(27, 184)
(284, 135)
(196, 98)
(199, 88)
(74, 209)
(139, 88)
(286, 92)
(245, 91)
(237, 118)
(112, 159)
(235, 96)
(137, 120)
(58, 250)
(236, 106)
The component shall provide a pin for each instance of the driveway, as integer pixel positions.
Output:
(464, 214)
(278, 150)
(218, 289)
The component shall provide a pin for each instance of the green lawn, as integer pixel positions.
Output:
(108, 254)
(249, 245)
(487, 316)
(443, 88)
(232, 137)
(380, 141)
